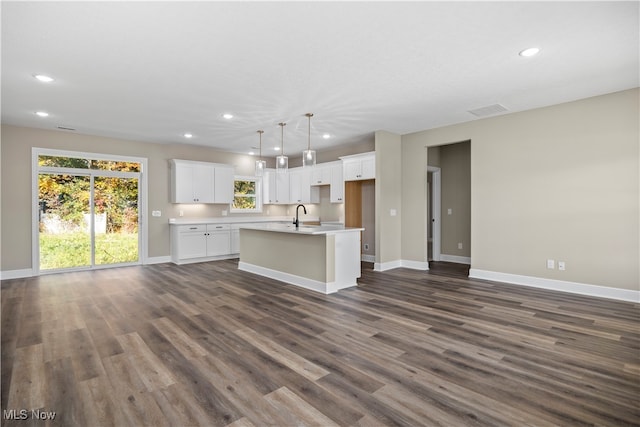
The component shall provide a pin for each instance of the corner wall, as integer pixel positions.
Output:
(560, 182)
(388, 195)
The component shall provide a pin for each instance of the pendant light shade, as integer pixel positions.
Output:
(260, 164)
(309, 155)
(282, 161)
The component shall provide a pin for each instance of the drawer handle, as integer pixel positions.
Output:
(193, 228)
(218, 226)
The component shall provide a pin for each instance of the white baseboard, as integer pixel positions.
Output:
(456, 259)
(368, 258)
(303, 282)
(157, 260)
(16, 274)
(415, 265)
(557, 285)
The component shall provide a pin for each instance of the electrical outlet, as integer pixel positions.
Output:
(366, 246)
(449, 211)
(181, 213)
(156, 213)
(551, 264)
(224, 212)
(459, 245)
(561, 266)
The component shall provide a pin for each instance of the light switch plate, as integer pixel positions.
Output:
(156, 213)
(393, 212)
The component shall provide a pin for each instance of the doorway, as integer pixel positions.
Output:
(433, 213)
(359, 210)
(87, 211)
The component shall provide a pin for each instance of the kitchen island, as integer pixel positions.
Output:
(321, 258)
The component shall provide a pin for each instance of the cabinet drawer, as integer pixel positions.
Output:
(218, 227)
(195, 227)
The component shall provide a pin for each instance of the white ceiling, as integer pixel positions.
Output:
(151, 71)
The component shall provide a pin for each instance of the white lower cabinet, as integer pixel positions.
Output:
(192, 243)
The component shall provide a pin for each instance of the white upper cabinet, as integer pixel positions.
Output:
(321, 174)
(275, 187)
(336, 191)
(359, 166)
(300, 185)
(200, 182)
(223, 184)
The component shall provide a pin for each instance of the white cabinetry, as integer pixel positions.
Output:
(359, 166)
(336, 191)
(321, 174)
(301, 191)
(199, 242)
(200, 182)
(223, 184)
(276, 190)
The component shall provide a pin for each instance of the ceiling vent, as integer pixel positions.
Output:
(489, 110)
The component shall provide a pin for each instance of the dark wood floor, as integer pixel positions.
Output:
(206, 344)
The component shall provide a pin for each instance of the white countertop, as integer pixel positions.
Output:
(238, 220)
(308, 229)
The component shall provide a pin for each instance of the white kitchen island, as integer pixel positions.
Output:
(321, 258)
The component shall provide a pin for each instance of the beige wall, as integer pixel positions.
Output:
(560, 182)
(388, 197)
(455, 165)
(15, 184)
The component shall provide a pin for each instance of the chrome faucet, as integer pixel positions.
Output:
(296, 221)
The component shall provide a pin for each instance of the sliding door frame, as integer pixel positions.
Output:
(142, 197)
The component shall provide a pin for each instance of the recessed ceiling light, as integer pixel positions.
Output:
(326, 136)
(251, 153)
(188, 135)
(227, 116)
(43, 78)
(276, 148)
(42, 113)
(530, 52)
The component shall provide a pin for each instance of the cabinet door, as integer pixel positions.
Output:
(219, 243)
(203, 177)
(192, 244)
(368, 168)
(336, 192)
(223, 185)
(235, 241)
(295, 186)
(182, 183)
(282, 187)
(352, 170)
(321, 175)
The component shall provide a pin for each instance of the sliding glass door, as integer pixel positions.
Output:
(64, 232)
(88, 213)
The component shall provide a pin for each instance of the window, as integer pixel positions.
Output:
(246, 194)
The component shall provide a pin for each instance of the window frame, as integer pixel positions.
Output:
(258, 195)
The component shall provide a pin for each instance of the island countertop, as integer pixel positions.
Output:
(303, 229)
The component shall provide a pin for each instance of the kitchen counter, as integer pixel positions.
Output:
(237, 220)
(303, 229)
(321, 258)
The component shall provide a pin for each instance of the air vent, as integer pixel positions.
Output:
(65, 128)
(489, 110)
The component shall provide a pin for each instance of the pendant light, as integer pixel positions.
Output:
(282, 161)
(309, 155)
(260, 164)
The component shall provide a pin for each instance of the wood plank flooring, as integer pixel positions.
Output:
(208, 345)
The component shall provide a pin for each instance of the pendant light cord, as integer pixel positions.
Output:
(309, 115)
(282, 125)
(260, 132)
